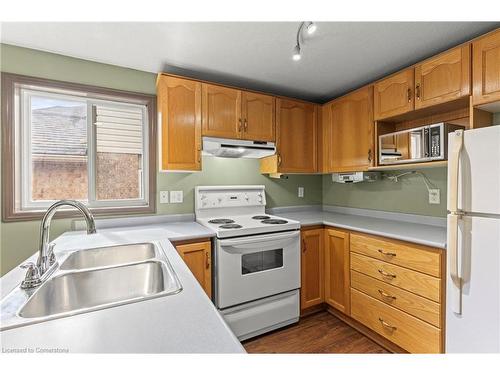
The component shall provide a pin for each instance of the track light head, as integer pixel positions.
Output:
(296, 53)
(311, 27)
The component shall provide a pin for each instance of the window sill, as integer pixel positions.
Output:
(9, 217)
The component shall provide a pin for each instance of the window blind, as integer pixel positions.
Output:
(119, 130)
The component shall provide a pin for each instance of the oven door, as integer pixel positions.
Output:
(254, 267)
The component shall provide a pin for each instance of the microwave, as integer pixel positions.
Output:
(426, 143)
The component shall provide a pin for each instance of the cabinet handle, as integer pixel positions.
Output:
(199, 154)
(385, 274)
(279, 160)
(386, 254)
(386, 295)
(245, 126)
(417, 91)
(409, 95)
(304, 246)
(207, 260)
(370, 155)
(387, 325)
(239, 124)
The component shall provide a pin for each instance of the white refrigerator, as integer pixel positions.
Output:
(473, 243)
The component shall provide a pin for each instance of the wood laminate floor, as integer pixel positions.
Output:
(316, 333)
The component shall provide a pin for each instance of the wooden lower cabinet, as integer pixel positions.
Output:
(312, 268)
(198, 258)
(408, 332)
(337, 282)
(393, 288)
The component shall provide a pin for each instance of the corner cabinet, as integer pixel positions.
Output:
(486, 68)
(296, 138)
(198, 258)
(393, 96)
(443, 78)
(351, 144)
(179, 106)
(337, 280)
(312, 268)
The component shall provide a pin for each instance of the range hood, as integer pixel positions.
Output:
(237, 148)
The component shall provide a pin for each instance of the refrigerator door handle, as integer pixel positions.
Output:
(452, 249)
(456, 145)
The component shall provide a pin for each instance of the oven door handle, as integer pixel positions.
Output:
(256, 239)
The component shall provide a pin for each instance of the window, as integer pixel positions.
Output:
(76, 142)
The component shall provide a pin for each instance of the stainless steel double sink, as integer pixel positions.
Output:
(94, 279)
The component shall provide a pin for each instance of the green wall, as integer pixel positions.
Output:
(19, 240)
(409, 195)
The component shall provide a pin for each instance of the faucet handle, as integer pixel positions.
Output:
(32, 277)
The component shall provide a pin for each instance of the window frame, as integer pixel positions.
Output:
(13, 210)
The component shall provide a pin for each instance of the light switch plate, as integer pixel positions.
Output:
(434, 196)
(163, 196)
(176, 196)
(300, 192)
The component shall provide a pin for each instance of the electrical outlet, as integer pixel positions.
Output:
(163, 196)
(300, 193)
(176, 196)
(434, 196)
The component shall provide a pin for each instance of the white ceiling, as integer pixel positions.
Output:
(257, 55)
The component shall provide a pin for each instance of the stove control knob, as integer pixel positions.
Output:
(246, 197)
(203, 197)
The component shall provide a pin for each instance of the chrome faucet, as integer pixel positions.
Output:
(46, 258)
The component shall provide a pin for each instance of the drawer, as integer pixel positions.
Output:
(415, 257)
(408, 332)
(415, 282)
(417, 306)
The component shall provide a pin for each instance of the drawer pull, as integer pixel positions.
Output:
(385, 274)
(387, 325)
(387, 254)
(385, 295)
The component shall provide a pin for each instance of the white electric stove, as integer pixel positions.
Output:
(257, 259)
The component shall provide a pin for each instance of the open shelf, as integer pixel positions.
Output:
(396, 167)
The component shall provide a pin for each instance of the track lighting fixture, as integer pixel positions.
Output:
(310, 28)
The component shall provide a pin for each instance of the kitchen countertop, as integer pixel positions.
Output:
(187, 322)
(403, 227)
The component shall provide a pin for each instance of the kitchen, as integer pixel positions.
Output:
(257, 218)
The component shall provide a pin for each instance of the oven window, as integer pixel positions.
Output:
(261, 261)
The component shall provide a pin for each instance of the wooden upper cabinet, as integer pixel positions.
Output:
(179, 105)
(198, 258)
(337, 270)
(443, 78)
(394, 95)
(486, 68)
(296, 124)
(258, 116)
(352, 125)
(221, 111)
(312, 268)
(325, 129)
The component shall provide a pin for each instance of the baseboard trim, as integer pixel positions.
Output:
(312, 310)
(382, 341)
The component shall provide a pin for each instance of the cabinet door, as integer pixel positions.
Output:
(443, 78)
(325, 141)
(296, 136)
(221, 111)
(312, 268)
(258, 117)
(179, 104)
(486, 68)
(198, 258)
(337, 278)
(394, 95)
(352, 131)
